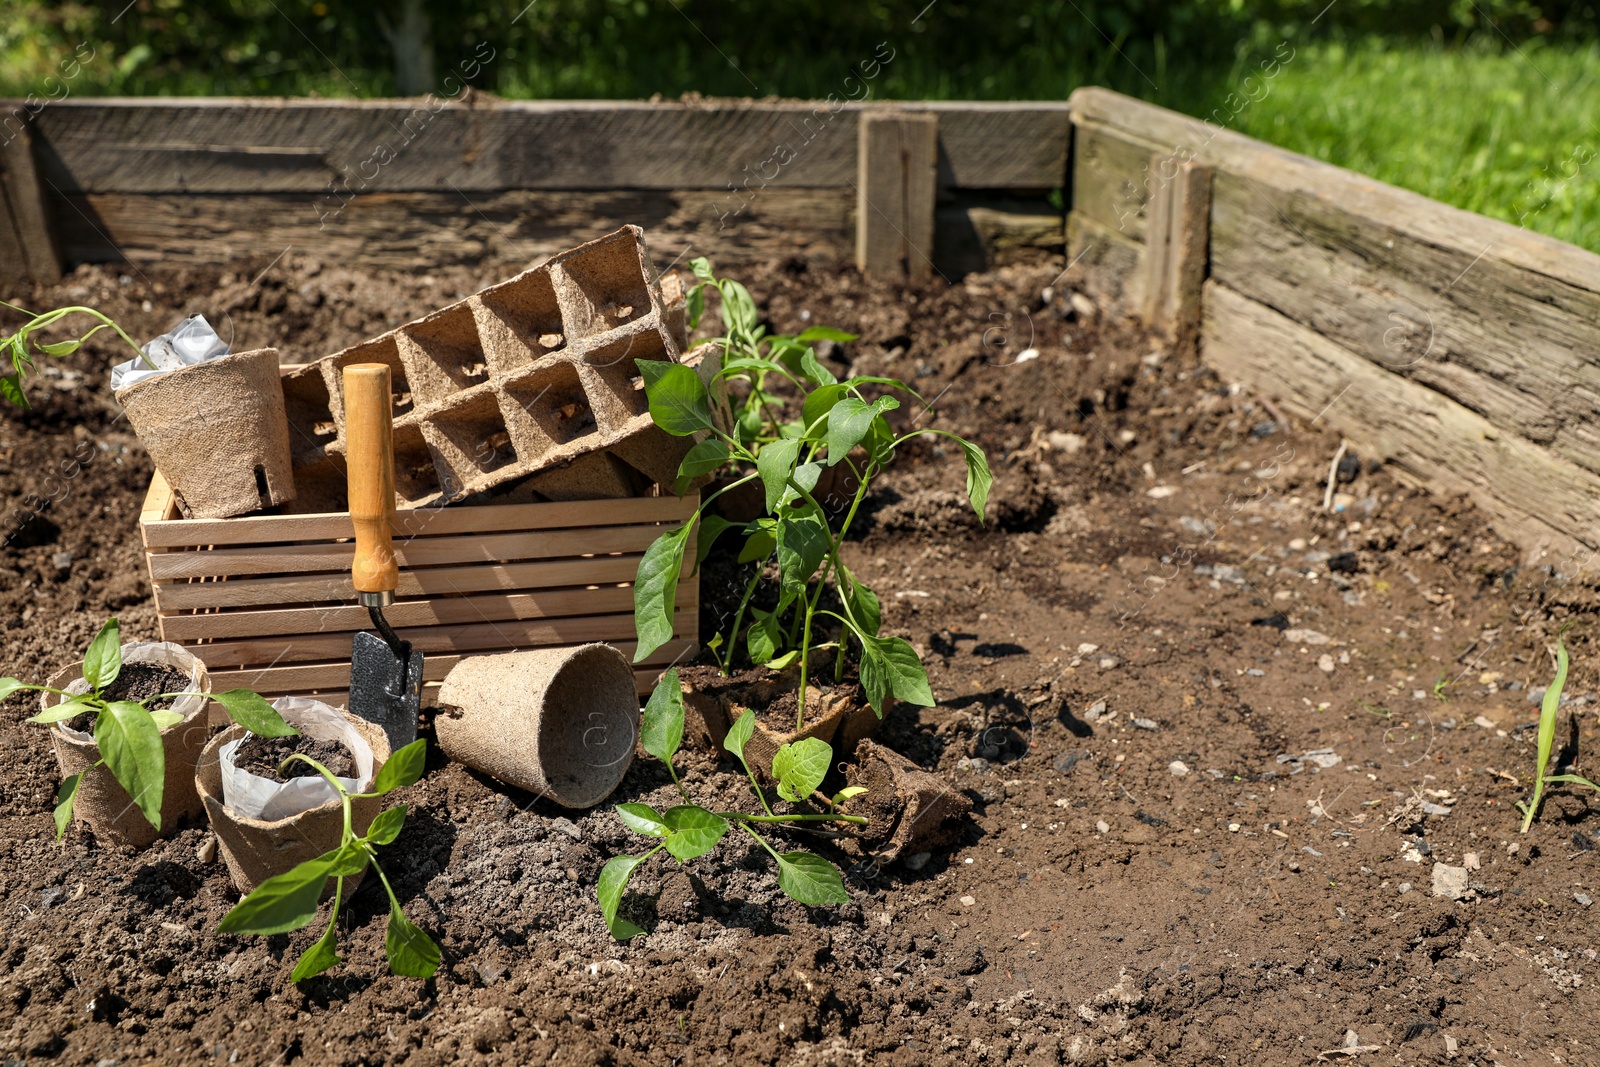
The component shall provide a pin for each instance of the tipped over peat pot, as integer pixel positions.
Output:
(217, 432)
(558, 722)
(101, 801)
(255, 849)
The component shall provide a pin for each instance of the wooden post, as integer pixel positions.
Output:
(27, 249)
(1177, 238)
(896, 172)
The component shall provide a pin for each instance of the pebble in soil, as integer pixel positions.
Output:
(264, 755)
(138, 681)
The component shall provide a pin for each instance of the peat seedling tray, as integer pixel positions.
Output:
(266, 601)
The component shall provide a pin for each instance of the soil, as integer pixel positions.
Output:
(263, 756)
(138, 681)
(1222, 745)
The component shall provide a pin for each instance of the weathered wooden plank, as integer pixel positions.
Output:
(1513, 344)
(1111, 179)
(19, 181)
(301, 146)
(1105, 265)
(1534, 497)
(1426, 220)
(895, 188)
(986, 234)
(429, 522)
(400, 230)
(1176, 257)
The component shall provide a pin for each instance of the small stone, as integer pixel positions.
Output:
(52, 896)
(1351, 1039)
(1451, 1045)
(1103, 826)
(1306, 637)
(1085, 648)
(1082, 305)
(1583, 898)
(207, 851)
(1297, 545)
(1070, 443)
(567, 826)
(1178, 768)
(1068, 760)
(1325, 663)
(62, 561)
(1145, 724)
(1418, 694)
(1233, 828)
(1161, 492)
(1403, 888)
(1256, 672)
(1470, 860)
(1485, 722)
(918, 861)
(1109, 662)
(1536, 696)
(967, 902)
(1094, 711)
(1063, 802)
(1449, 882)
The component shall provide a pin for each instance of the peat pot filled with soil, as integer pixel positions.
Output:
(151, 673)
(272, 810)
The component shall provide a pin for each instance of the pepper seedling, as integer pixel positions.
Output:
(688, 831)
(17, 345)
(835, 422)
(289, 901)
(127, 732)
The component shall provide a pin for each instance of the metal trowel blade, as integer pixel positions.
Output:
(386, 689)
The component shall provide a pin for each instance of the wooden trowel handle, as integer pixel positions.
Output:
(369, 441)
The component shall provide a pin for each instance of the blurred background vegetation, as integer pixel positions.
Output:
(1488, 104)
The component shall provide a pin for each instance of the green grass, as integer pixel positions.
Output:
(1515, 136)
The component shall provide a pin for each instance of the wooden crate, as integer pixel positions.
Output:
(266, 601)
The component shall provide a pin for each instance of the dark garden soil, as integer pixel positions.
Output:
(138, 681)
(1222, 745)
(263, 756)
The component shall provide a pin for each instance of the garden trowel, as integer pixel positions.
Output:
(385, 672)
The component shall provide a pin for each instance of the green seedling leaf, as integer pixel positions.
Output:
(1573, 779)
(348, 859)
(103, 661)
(695, 831)
(825, 333)
(711, 528)
(849, 792)
(703, 458)
(800, 766)
(283, 902)
(738, 307)
(802, 546)
(655, 590)
(695, 304)
(319, 957)
(978, 477)
(661, 731)
(702, 269)
(785, 661)
(760, 544)
(403, 769)
(252, 711)
(679, 403)
(130, 744)
(1549, 712)
(775, 463)
(819, 403)
(812, 368)
(386, 827)
(643, 819)
(411, 952)
(613, 880)
(63, 711)
(850, 421)
(739, 734)
(764, 635)
(865, 608)
(810, 879)
(11, 685)
(889, 666)
(11, 389)
(166, 719)
(65, 797)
